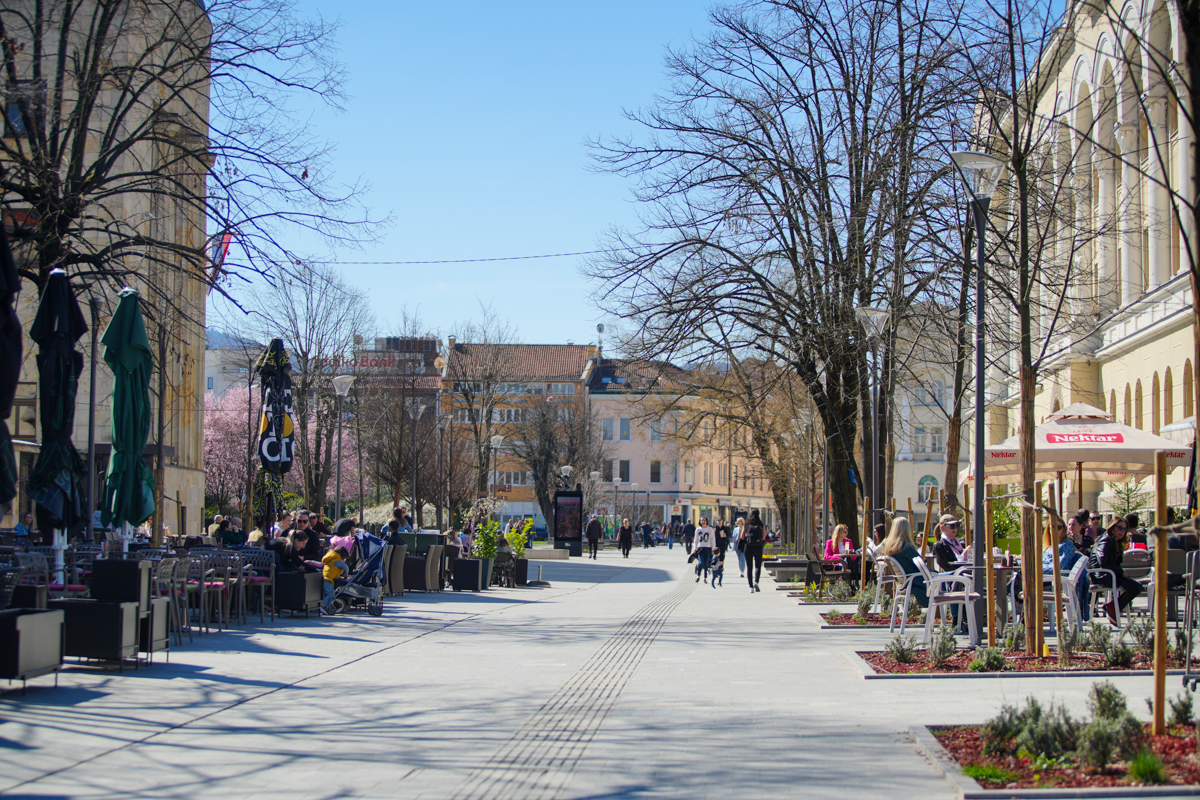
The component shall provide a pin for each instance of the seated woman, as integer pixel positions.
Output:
(899, 545)
(289, 553)
(502, 546)
(1107, 554)
(834, 549)
(1068, 556)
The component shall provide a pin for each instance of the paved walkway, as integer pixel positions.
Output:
(625, 679)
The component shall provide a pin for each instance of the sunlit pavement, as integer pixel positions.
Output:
(625, 678)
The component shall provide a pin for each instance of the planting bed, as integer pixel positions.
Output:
(848, 619)
(1177, 750)
(884, 664)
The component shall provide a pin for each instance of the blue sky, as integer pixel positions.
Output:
(469, 120)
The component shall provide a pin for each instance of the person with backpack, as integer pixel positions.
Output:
(755, 536)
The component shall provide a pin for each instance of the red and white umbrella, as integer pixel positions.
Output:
(1081, 441)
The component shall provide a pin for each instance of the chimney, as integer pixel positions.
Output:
(450, 340)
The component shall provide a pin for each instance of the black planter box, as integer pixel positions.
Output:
(298, 591)
(122, 581)
(95, 629)
(31, 643)
(521, 572)
(414, 574)
(467, 575)
(26, 595)
(154, 632)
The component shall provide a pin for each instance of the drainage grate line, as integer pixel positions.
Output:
(537, 762)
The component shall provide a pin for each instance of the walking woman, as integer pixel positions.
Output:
(705, 543)
(625, 537)
(756, 537)
(736, 540)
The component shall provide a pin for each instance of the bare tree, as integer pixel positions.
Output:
(124, 116)
(773, 200)
(477, 367)
(318, 317)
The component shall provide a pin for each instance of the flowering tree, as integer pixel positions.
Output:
(226, 442)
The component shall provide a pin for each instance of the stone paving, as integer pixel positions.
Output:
(624, 679)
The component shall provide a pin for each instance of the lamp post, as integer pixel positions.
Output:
(798, 426)
(341, 385)
(593, 478)
(633, 487)
(442, 421)
(874, 320)
(981, 173)
(414, 413)
(615, 515)
(497, 440)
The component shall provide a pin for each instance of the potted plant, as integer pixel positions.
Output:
(484, 548)
(519, 539)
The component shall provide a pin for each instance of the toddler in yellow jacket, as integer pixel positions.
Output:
(335, 567)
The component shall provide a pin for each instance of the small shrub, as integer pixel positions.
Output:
(1141, 631)
(942, 646)
(1105, 701)
(1068, 639)
(1181, 709)
(1097, 639)
(1147, 768)
(1182, 651)
(1014, 637)
(840, 591)
(989, 773)
(1000, 732)
(1119, 656)
(902, 648)
(987, 659)
(812, 593)
(866, 599)
(1105, 739)
(1049, 733)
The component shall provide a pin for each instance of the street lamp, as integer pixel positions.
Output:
(801, 428)
(874, 321)
(442, 421)
(616, 486)
(981, 173)
(414, 413)
(565, 471)
(341, 385)
(497, 440)
(593, 479)
(633, 487)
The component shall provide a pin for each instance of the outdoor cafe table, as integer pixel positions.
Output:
(1002, 576)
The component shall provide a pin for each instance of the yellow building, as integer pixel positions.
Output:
(1118, 146)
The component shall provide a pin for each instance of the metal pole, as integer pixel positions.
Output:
(875, 493)
(89, 526)
(416, 514)
(441, 473)
(980, 490)
(337, 502)
(1160, 591)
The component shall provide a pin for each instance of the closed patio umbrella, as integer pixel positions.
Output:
(55, 483)
(10, 365)
(129, 483)
(275, 430)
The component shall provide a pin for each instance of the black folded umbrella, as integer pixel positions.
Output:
(275, 429)
(10, 365)
(56, 481)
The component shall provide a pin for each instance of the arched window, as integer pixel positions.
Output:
(1137, 405)
(1128, 406)
(1168, 398)
(1155, 405)
(923, 487)
(1189, 389)
(1112, 404)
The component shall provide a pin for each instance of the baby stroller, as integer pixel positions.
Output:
(366, 580)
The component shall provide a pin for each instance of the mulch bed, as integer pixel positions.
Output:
(1177, 750)
(884, 664)
(834, 618)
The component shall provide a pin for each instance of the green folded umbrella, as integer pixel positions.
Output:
(129, 483)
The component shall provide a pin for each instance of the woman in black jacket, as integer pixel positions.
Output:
(625, 537)
(755, 538)
(1107, 554)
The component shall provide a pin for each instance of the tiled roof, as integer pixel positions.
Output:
(625, 375)
(518, 362)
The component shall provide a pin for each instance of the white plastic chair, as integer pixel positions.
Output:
(945, 591)
(1101, 585)
(1070, 599)
(888, 572)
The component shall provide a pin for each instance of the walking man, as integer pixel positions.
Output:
(593, 536)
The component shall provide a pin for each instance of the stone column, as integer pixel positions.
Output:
(1182, 182)
(1107, 290)
(1158, 215)
(1083, 268)
(1130, 214)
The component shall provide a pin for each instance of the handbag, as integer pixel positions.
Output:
(741, 545)
(692, 557)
